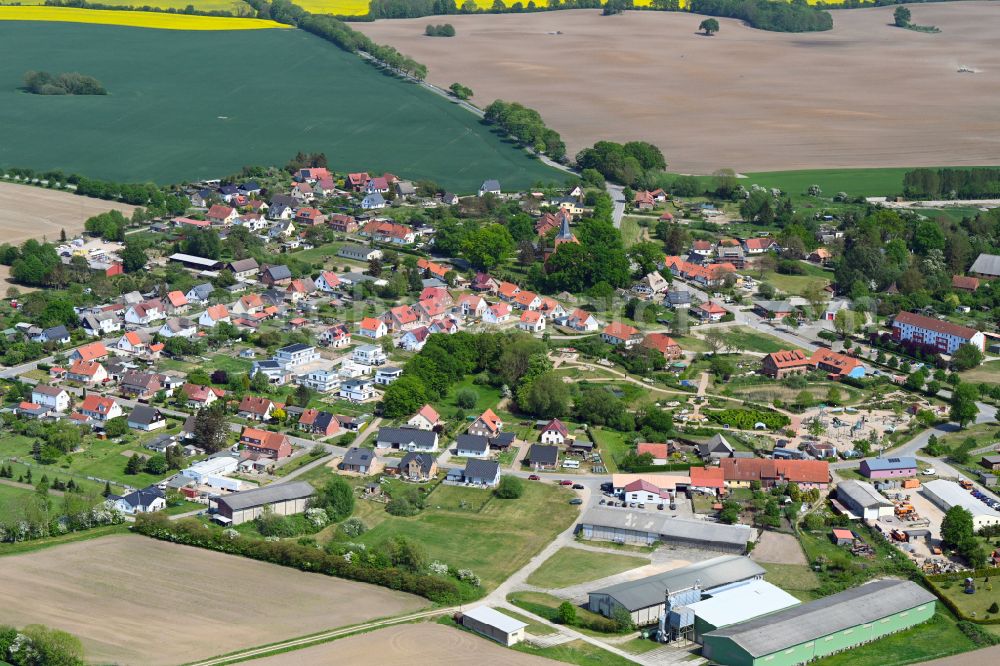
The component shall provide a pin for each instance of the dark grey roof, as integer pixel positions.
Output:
(295, 347)
(144, 497)
(668, 527)
(482, 469)
(283, 200)
(800, 624)
(490, 185)
(358, 456)
(202, 291)
(543, 454)
(650, 591)
(425, 460)
(472, 443)
(144, 415)
(402, 436)
(279, 272)
(986, 264)
(243, 265)
(55, 333)
(502, 440)
(279, 492)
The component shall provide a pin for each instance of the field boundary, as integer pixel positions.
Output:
(134, 19)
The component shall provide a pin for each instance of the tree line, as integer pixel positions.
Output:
(624, 163)
(71, 83)
(796, 16)
(525, 126)
(441, 30)
(238, 9)
(952, 183)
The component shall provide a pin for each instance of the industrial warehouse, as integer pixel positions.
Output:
(642, 527)
(647, 599)
(947, 494)
(860, 500)
(284, 499)
(836, 623)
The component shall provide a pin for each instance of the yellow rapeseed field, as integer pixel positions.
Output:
(133, 19)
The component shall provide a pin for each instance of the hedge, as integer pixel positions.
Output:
(933, 579)
(191, 532)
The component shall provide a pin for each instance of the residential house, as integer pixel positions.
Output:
(652, 284)
(336, 336)
(414, 340)
(322, 381)
(554, 432)
(244, 269)
(147, 500)
(327, 282)
(345, 224)
(222, 215)
(53, 398)
(772, 309)
(526, 300)
(357, 390)
(643, 200)
(497, 314)
(678, 298)
(100, 324)
(617, 333)
(482, 473)
(87, 372)
(387, 375)
(256, 408)
(664, 344)
(54, 334)
(146, 418)
(808, 474)
(140, 385)
(93, 351)
(659, 451)
(402, 318)
(309, 217)
(507, 291)
(100, 408)
(372, 328)
(821, 256)
(406, 439)
(758, 246)
(780, 364)
(710, 311)
(178, 327)
(582, 321)
(837, 365)
(942, 336)
(431, 308)
(417, 467)
(644, 492)
(426, 418)
(199, 293)
(488, 424)
(483, 282)
(369, 355)
(490, 186)
(134, 343)
(213, 315)
(472, 305)
(889, 468)
(272, 444)
(532, 321)
(541, 456)
(276, 276)
(472, 446)
(199, 396)
(176, 303)
(358, 460)
(145, 313)
(297, 290)
(319, 422)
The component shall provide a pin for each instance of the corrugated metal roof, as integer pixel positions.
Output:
(952, 494)
(800, 624)
(494, 618)
(267, 495)
(741, 602)
(986, 264)
(644, 521)
(650, 591)
(862, 494)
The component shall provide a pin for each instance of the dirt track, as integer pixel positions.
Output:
(862, 95)
(133, 600)
(408, 645)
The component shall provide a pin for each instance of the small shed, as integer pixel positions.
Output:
(494, 625)
(842, 537)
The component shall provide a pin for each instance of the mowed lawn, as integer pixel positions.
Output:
(172, 116)
(569, 566)
(494, 539)
(750, 340)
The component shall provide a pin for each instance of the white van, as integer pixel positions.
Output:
(571, 464)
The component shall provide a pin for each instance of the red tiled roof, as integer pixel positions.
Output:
(97, 403)
(661, 342)
(92, 351)
(965, 282)
(558, 426)
(620, 331)
(789, 359)
(758, 469)
(255, 405)
(936, 325)
(429, 413)
(707, 477)
(842, 363)
(657, 450)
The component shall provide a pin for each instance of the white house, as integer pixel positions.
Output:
(143, 314)
(369, 355)
(425, 418)
(139, 501)
(327, 282)
(532, 321)
(132, 343)
(583, 321)
(357, 390)
(336, 336)
(387, 375)
(373, 328)
(323, 381)
(178, 327)
(554, 432)
(294, 356)
(943, 336)
(374, 201)
(497, 314)
(214, 314)
(645, 492)
(415, 340)
(53, 397)
(490, 186)
(472, 446)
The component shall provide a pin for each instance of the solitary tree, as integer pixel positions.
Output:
(709, 26)
(901, 16)
(963, 404)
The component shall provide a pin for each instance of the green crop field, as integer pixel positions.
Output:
(185, 105)
(856, 182)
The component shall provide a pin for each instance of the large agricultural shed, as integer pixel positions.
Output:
(947, 494)
(645, 598)
(646, 528)
(284, 499)
(861, 500)
(737, 603)
(836, 623)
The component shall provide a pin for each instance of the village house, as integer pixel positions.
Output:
(542, 456)
(143, 314)
(99, 408)
(660, 452)
(256, 408)
(526, 300)
(426, 418)
(758, 246)
(276, 276)
(406, 439)
(808, 474)
(664, 344)
(369, 327)
(487, 424)
(359, 253)
(139, 385)
(146, 500)
(358, 460)
(345, 224)
(337, 336)
(837, 365)
(357, 390)
(199, 396)
(780, 364)
(319, 422)
(87, 372)
(472, 305)
(214, 315)
(327, 282)
(133, 343)
(554, 432)
(146, 418)
(271, 444)
(221, 215)
(417, 467)
(414, 340)
(651, 284)
(248, 304)
(52, 398)
(472, 446)
(176, 303)
(582, 321)
(710, 311)
(94, 351)
(617, 333)
(200, 293)
(497, 314)
(532, 321)
(507, 291)
(387, 375)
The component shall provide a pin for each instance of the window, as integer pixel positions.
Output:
(904, 614)
(848, 631)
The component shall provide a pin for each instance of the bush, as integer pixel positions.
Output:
(566, 614)
(510, 487)
(353, 527)
(401, 507)
(466, 398)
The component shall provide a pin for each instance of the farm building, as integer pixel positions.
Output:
(741, 472)
(888, 468)
(833, 624)
(493, 624)
(645, 528)
(646, 598)
(947, 494)
(736, 603)
(285, 499)
(195, 263)
(861, 500)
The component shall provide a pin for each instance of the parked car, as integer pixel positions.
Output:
(534, 477)
(565, 482)
(576, 500)
(577, 486)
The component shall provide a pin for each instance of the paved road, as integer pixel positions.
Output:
(617, 194)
